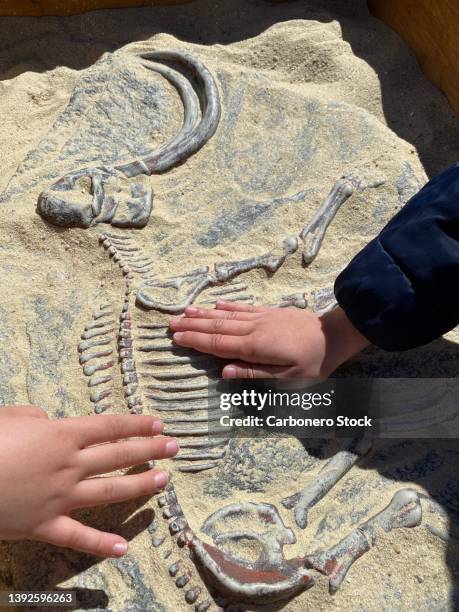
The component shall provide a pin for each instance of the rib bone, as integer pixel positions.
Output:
(197, 467)
(99, 380)
(89, 369)
(98, 396)
(98, 324)
(89, 356)
(92, 333)
(99, 314)
(88, 344)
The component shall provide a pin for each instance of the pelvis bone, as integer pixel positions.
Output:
(268, 578)
(271, 577)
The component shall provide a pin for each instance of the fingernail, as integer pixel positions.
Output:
(157, 428)
(175, 321)
(172, 448)
(192, 310)
(178, 336)
(160, 480)
(230, 372)
(120, 549)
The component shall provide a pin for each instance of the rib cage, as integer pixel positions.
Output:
(176, 385)
(97, 354)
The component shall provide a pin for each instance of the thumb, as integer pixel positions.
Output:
(241, 369)
(68, 533)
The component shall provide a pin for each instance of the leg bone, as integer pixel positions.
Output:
(314, 232)
(403, 511)
(200, 279)
(270, 262)
(325, 480)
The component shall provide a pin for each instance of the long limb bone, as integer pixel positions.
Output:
(296, 300)
(199, 280)
(325, 480)
(403, 511)
(270, 262)
(314, 232)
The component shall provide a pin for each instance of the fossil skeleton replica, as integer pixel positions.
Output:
(174, 383)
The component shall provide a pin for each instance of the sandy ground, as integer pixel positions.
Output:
(310, 91)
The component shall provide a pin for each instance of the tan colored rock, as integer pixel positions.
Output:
(38, 8)
(430, 28)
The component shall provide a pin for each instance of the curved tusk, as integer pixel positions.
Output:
(194, 134)
(189, 99)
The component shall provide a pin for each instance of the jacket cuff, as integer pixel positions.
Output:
(380, 301)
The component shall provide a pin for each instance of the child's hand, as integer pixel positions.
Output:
(47, 469)
(270, 342)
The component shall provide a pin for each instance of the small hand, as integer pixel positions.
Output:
(270, 342)
(50, 467)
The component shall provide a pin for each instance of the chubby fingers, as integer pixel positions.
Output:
(211, 326)
(222, 313)
(255, 370)
(108, 428)
(115, 456)
(69, 533)
(240, 307)
(220, 345)
(114, 489)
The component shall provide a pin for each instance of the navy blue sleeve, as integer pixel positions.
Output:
(402, 289)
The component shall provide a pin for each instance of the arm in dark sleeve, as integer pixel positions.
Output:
(402, 289)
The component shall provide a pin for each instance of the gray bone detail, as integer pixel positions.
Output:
(201, 279)
(268, 579)
(403, 511)
(194, 133)
(324, 300)
(296, 300)
(107, 194)
(272, 535)
(314, 232)
(270, 262)
(325, 480)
